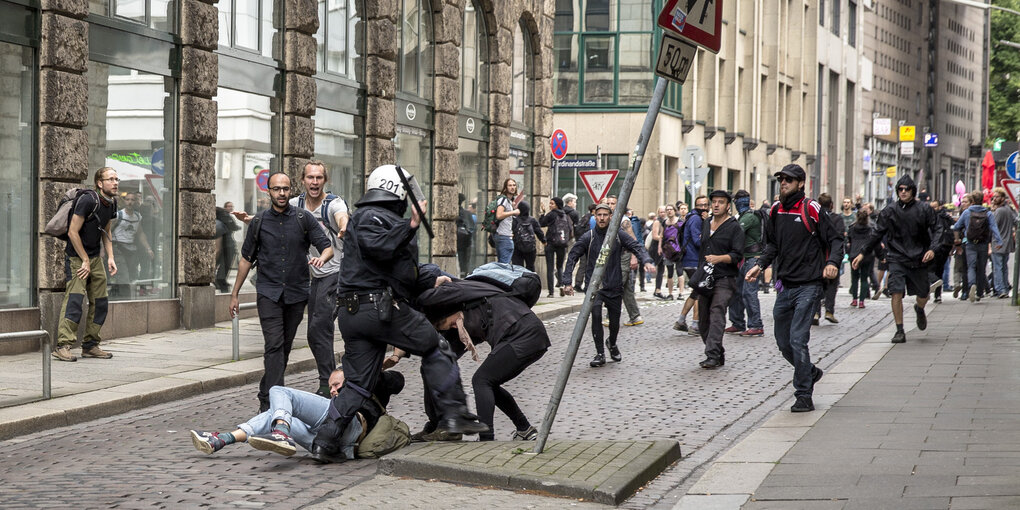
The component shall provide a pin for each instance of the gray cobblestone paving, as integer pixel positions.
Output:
(145, 459)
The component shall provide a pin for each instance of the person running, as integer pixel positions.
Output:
(805, 248)
(911, 232)
(611, 291)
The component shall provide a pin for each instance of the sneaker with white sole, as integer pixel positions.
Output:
(529, 434)
(275, 441)
(635, 321)
(207, 442)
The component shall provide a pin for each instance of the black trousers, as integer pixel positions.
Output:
(321, 306)
(524, 259)
(613, 303)
(279, 323)
(500, 366)
(365, 340)
(828, 297)
(559, 256)
(712, 316)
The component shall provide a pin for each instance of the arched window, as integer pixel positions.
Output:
(473, 139)
(523, 85)
(415, 64)
(474, 71)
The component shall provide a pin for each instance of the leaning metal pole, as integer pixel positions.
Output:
(600, 266)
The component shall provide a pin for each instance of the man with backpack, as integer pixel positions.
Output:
(912, 234)
(611, 291)
(691, 236)
(331, 213)
(805, 248)
(278, 240)
(527, 234)
(978, 228)
(752, 222)
(559, 231)
(88, 227)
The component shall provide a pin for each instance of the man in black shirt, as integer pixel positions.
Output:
(806, 247)
(278, 239)
(83, 267)
(722, 248)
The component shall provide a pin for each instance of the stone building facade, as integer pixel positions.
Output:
(195, 102)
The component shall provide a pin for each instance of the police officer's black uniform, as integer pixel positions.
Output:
(378, 278)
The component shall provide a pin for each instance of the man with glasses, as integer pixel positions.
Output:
(83, 267)
(912, 233)
(807, 249)
(278, 240)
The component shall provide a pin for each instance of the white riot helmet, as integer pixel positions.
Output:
(384, 185)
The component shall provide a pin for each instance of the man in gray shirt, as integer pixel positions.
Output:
(332, 213)
(1005, 219)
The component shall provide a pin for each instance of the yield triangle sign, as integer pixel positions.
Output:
(598, 182)
(1012, 189)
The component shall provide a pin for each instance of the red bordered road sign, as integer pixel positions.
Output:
(598, 182)
(699, 21)
(558, 144)
(1012, 190)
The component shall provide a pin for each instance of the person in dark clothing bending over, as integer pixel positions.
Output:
(912, 233)
(805, 248)
(611, 291)
(379, 277)
(469, 312)
(722, 247)
(278, 239)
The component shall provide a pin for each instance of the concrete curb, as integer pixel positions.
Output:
(626, 479)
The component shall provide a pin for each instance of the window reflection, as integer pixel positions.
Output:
(472, 199)
(338, 143)
(414, 154)
(17, 192)
(130, 126)
(415, 63)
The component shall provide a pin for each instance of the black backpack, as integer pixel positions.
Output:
(524, 236)
(978, 230)
(763, 217)
(583, 225)
(559, 232)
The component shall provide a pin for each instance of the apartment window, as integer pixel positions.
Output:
(247, 25)
(415, 61)
(851, 21)
(157, 14)
(474, 71)
(336, 50)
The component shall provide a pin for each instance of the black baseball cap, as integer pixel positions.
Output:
(793, 170)
(721, 193)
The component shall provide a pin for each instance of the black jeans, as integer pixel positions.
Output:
(365, 340)
(613, 303)
(279, 323)
(828, 297)
(669, 266)
(524, 259)
(859, 288)
(712, 316)
(321, 306)
(499, 367)
(559, 256)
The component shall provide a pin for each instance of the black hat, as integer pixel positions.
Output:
(721, 193)
(793, 170)
(604, 206)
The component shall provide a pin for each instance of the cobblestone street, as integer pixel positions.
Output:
(145, 458)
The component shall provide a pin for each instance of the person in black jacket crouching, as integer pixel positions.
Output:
(722, 247)
(806, 248)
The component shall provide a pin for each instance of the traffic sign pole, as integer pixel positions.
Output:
(600, 266)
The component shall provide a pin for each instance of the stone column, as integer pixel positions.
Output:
(196, 163)
(63, 144)
(448, 19)
(378, 28)
(543, 72)
(300, 22)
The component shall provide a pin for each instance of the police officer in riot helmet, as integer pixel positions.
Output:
(379, 276)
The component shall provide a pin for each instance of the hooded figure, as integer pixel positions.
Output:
(527, 234)
(909, 228)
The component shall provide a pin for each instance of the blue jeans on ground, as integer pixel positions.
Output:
(746, 299)
(977, 259)
(792, 313)
(504, 248)
(1000, 272)
(303, 410)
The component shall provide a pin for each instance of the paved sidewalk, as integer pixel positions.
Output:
(932, 423)
(152, 369)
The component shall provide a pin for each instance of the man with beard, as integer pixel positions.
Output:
(611, 290)
(912, 233)
(806, 248)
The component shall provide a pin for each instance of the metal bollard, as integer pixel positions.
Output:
(235, 327)
(44, 347)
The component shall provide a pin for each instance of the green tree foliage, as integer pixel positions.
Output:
(1004, 73)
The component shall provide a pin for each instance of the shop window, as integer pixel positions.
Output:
(17, 178)
(157, 14)
(131, 129)
(473, 179)
(338, 143)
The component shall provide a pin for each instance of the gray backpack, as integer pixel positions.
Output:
(61, 220)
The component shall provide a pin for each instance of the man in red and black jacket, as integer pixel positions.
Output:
(806, 248)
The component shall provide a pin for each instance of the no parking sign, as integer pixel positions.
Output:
(558, 144)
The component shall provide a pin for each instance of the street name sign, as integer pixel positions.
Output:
(1012, 190)
(675, 58)
(698, 21)
(598, 182)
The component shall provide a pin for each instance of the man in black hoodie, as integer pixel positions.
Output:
(611, 291)
(912, 233)
(806, 248)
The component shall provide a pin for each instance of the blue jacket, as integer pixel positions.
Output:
(964, 222)
(639, 227)
(692, 238)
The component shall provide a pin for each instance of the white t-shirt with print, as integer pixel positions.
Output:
(338, 205)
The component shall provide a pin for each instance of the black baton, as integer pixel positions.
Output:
(414, 202)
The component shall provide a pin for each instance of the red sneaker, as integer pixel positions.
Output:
(853, 304)
(861, 304)
(733, 329)
(753, 332)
